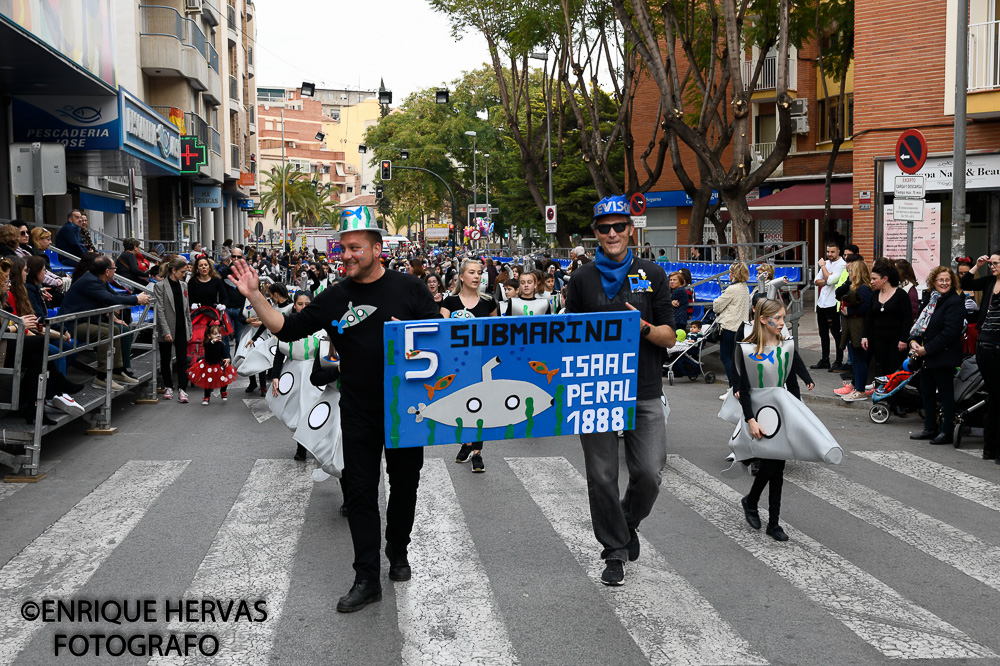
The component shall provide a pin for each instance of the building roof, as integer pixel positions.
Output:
(360, 200)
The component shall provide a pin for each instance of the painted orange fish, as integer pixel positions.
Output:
(543, 369)
(412, 353)
(439, 385)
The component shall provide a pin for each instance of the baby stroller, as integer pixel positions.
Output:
(969, 395)
(888, 386)
(687, 356)
(201, 318)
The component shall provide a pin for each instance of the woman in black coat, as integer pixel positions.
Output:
(988, 346)
(936, 337)
(888, 322)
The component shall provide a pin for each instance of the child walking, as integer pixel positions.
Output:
(214, 370)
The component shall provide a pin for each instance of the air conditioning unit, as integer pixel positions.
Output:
(799, 107)
(192, 6)
(800, 125)
(335, 114)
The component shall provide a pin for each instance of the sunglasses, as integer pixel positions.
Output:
(605, 229)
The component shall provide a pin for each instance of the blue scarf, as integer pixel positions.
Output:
(613, 274)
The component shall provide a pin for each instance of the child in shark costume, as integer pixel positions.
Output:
(772, 426)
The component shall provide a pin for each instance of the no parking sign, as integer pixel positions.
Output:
(550, 219)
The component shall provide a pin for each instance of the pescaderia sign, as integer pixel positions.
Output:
(469, 380)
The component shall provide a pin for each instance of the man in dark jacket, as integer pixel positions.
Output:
(617, 281)
(69, 240)
(91, 292)
(128, 263)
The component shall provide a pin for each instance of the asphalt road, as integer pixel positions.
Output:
(895, 553)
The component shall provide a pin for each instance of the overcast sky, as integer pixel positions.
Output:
(341, 43)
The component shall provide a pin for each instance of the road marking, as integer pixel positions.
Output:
(8, 489)
(878, 614)
(447, 618)
(258, 407)
(975, 453)
(982, 492)
(946, 543)
(65, 556)
(251, 559)
(665, 615)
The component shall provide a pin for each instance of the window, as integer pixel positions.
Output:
(828, 117)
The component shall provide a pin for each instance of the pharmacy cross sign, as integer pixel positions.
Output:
(193, 154)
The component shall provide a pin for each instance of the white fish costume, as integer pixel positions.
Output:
(296, 394)
(793, 431)
(319, 429)
(240, 353)
(259, 357)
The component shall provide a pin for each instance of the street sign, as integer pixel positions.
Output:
(911, 151)
(639, 221)
(550, 219)
(638, 202)
(865, 200)
(911, 187)
(494, 210)
(258, 229)
(911, 210)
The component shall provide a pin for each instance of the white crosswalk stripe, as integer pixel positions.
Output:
(251, 559)
(878, 614)
(967, 553)
(449, 587)
(982, 492)
(665, 615)
(65, 556)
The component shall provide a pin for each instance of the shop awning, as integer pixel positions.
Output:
(803, 202)
(103, 203)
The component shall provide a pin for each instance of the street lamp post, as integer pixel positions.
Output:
(544, 57)
(489, 211)
(284, 177)
(475, 207)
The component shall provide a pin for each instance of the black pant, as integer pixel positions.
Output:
(828, 321)
(771, 472)
(988, 358)
(179, 346)
(932, 382)
(364, 440)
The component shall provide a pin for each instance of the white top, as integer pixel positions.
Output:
(827, 299)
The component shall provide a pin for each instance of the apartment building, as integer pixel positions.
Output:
(134, 91)
(788, 207)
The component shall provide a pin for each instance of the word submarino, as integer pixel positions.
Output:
(520, 331)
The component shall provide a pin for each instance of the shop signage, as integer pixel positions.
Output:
(926, 239)
(207, 196)
(911, 187)
(247, 204)
(194, 155)
(982, 172)
(248, 179)
(908, 210)
(469, 380)
(865, 200)
(78, 123)
(147, 133)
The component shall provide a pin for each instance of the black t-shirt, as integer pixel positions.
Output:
(353, 314)
(207, 293)
(646, 288)
(454, 305)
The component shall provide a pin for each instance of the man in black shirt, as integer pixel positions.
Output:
(353, 313)
(616, 281)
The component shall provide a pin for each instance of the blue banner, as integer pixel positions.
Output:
(79, 123)
(147, 134)
(471, 380)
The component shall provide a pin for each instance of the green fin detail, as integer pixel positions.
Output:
(631, 415)
(509, 433)
(479, 430)
(760, 375)
(458, 430)
(390, 352)
(394, 409)
(529, 409)
(431, 425)
(559, 403)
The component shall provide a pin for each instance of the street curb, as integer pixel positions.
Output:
(835, 402)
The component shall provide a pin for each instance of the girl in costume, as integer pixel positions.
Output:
(214, 370)
(466, 302)
(302, 299)
(772, 426)
(525, 303)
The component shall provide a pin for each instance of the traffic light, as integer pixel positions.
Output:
(451, 227)
(379, 191)
(386, 169)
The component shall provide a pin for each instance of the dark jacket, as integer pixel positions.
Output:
(128, 267)
(943, 337)
(69, 240)
(92, 293)
(970, 282)
(37, 300)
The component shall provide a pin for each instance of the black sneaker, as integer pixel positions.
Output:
(822, 363)
(399, 566)
(751, 514)
(477, 463)
(362, 593)
(463, 454)
(300, 452)
(614, 572)
(776, 533)
(252, 387)
(633, 546)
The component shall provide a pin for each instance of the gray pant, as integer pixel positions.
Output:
(645, 456)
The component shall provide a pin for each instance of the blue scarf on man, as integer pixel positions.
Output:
(613, 274)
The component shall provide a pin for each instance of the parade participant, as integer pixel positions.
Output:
(173, 323)
(467, 303)
(525, 303)
(433, 283)
(766, 342)
(214, 370)
(988, 347)
(616, 280)
(353, 313)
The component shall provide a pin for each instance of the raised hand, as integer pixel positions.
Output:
(245, 277)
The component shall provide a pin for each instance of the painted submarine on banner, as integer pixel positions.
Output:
(496, 402)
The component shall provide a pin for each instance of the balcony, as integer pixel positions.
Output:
(234, 160)
(760, 152)
(768, 79)
(252, 119)
(172, 45)
(232, 24)
(210, 10)
(250, 71)
(234, 88)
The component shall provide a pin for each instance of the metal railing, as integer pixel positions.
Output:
(984, 56)
(234, 157)
(104, 242)
(15, 338)
(234, 88)
(168, 22)
(213, 58)
(216, 141)
(769, 73)
(231, 17)
(761, 151)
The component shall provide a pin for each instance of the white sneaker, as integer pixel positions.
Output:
(182, 396)
(168, 393)
(68, 405)
(723, 396)
(731, 457)
(870, 387)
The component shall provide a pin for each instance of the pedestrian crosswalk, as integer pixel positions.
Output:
(454, 611)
